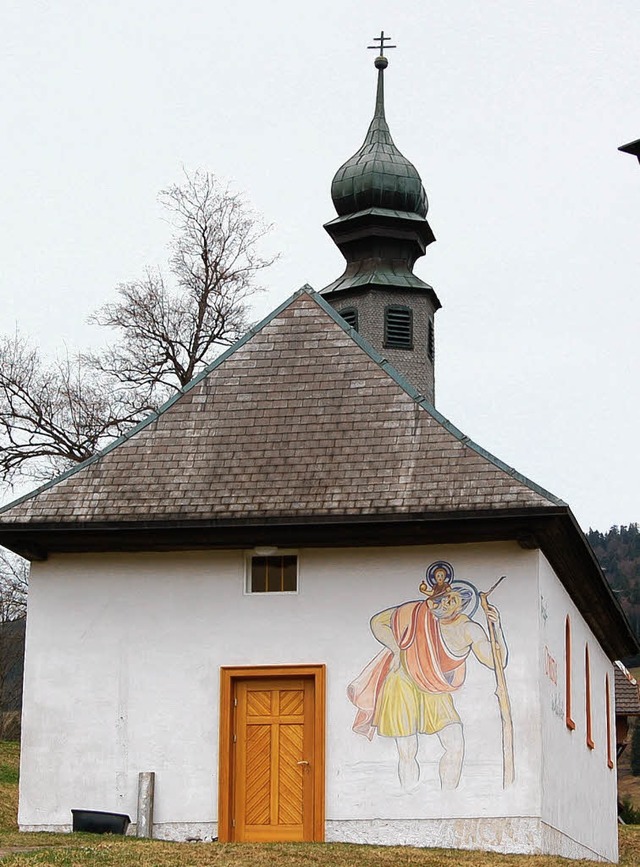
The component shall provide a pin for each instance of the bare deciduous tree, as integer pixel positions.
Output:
(169, 332)
(14, 576)
(53, 415)
(14, 582)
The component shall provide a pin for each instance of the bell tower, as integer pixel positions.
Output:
(381, 230)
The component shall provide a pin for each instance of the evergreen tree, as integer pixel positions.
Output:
(618, 551)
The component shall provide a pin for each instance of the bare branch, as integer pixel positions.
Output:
(55, 414)
(167, 335)
(14, 583)
(14, 578)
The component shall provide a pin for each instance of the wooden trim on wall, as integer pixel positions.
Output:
(607, 694)
(567, 675)
(225, 758)
(228, 676)
(587, 687)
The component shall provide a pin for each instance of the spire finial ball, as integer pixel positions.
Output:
(381, 62)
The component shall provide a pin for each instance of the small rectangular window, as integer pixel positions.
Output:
(276, 573)
(431, 341)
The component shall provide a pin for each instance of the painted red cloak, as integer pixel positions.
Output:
(428, 661)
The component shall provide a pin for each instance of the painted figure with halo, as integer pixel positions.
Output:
(408, 688)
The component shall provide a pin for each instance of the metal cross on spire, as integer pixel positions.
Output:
(381, 39)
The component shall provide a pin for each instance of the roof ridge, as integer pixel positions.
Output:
(251, 332)
(363, 344)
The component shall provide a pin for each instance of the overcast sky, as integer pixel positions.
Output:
(512, 111)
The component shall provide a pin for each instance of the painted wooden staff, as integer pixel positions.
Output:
(502, 693)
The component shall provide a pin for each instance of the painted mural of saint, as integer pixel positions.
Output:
(408, 688)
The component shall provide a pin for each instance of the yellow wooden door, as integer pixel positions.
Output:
(273, 773)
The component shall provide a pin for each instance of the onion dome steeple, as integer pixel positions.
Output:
(378, 175)
(381, 229)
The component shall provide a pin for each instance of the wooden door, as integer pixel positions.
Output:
(273, 764)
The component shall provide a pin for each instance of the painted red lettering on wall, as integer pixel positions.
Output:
(550, 666)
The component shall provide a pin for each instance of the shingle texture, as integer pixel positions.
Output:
(627, 694)
(299, 421)
(414, 364)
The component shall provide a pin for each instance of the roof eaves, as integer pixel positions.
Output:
(422, 401)
(166, 405)
(633, 147)
(378, 212)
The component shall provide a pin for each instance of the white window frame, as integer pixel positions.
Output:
(278, 552)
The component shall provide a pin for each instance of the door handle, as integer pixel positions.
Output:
(302, 763)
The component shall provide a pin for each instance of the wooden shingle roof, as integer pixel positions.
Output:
(302, 435)
(300, 419)
(627, 692)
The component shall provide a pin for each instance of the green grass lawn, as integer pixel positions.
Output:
(89, 850)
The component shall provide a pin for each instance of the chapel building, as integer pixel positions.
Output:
(309, 604)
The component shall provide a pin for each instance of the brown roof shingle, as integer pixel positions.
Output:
(627, 693)
(299, 419)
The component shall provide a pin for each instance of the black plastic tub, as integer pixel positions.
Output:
(97, 822)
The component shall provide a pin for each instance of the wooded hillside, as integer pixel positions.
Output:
(618, 551)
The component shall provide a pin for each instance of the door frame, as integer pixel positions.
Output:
(229, 675)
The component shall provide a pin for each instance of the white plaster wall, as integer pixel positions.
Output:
(579, 789)
(122, 676)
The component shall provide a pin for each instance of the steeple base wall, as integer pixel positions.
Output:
(414, 363)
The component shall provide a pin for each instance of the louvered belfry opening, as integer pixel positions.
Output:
(398, 327)
(350, 316)
(381, 229)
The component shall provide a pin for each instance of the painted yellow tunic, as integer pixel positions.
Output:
(402, 709)
(417, 696)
